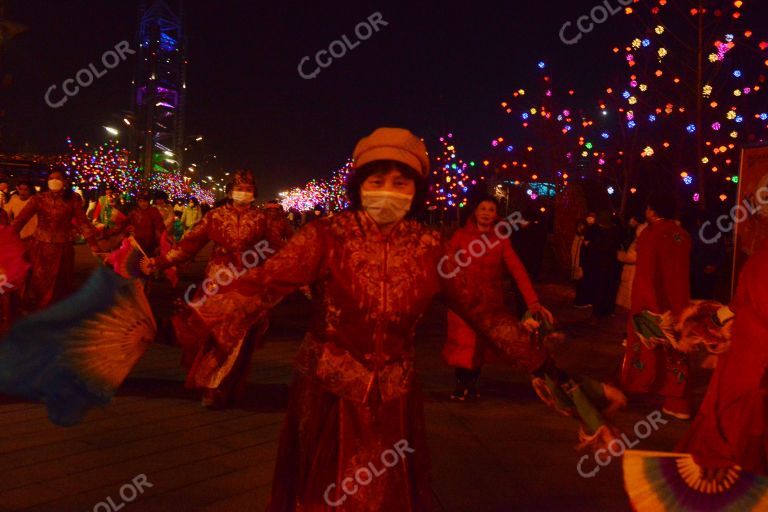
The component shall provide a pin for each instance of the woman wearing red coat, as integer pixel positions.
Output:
(464, 350)
(354, 436)
(662, 283)
(51, 253)
(731, 427)
(242, 238)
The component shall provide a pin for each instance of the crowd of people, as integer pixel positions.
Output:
(371, 273)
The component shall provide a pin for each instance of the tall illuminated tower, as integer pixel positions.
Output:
(159, 88)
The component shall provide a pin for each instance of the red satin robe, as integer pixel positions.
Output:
(662, 283)
(355, 397)
(241, 238)
(51, 250)
(463, 349)
(731, 427)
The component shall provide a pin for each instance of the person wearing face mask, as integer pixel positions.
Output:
(374, 271)
(464, 350)
(51, 251)
(238, 231)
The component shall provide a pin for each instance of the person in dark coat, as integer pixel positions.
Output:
(601, 269)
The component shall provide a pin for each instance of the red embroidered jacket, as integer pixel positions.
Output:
(370, 289)
(57, 218)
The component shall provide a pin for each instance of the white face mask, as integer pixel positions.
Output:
(55, 185)
(242, 197)
(386, 207)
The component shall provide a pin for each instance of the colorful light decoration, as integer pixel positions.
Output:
(108, 164)
(94, 167)
(659, 62)
(330, 194)
(552, 132)
(452, 179)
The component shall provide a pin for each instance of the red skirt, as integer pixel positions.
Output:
(336, 454)
(658, 370)
(463, 348)
(52, 269)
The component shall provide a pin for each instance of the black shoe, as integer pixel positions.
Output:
(461, 392)
(472, 391)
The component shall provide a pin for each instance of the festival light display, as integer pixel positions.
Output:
(552, 140)
(451, 180)
(94, 167)
(687, 106)
(109, 165)
(330, 194)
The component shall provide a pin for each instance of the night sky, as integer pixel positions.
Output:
(436, 67)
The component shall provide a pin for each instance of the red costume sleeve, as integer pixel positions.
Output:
(229, 314)
(274, 232)
(192, 242)
(517, 269)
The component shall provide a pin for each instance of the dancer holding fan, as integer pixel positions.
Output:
(463, 350)
(727, 468)
(238, 231)
(373, 272)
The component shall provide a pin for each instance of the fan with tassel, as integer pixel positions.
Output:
(667, 482)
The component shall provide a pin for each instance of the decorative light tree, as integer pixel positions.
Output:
(551, 149)
(695, 93)
(451, 181)
(108, 164)
(330, 193)
(554, 141)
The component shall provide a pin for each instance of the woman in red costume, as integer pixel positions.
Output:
(731, 427)
(464, 350)
(354, 436)
(51, 252)
(662, 283)
(242, 239)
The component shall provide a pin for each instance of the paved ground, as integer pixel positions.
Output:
(505, 452)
